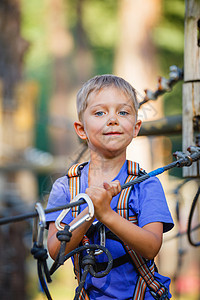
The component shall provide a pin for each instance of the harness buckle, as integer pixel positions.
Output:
(164, 296)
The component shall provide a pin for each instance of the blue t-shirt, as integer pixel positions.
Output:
(147, 201)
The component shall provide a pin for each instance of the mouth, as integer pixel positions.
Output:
(113, 133)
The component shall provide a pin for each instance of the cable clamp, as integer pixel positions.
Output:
(183, 159)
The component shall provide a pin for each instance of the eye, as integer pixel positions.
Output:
(123, 113)
(99, 113)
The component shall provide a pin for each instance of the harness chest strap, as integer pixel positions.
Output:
(146, 277)
(74, 174)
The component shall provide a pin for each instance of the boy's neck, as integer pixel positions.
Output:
(104, 169)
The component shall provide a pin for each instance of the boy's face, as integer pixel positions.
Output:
(109, 122)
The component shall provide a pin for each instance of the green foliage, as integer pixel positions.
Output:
(169, 40)
(99, 23)
(38, 63)
(169, 34)
(99, 20)
(34, 30)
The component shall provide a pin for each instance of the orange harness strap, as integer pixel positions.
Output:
(146, 277)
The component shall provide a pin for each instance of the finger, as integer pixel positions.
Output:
(113, 187)
(107, 186)
(116, 186)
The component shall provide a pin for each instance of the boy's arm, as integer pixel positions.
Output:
(53, 243)
(146, 241)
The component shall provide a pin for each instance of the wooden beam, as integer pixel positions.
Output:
(191, 86)
(165, 126)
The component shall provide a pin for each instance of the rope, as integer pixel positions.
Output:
(63, 236)
(90, 247)
(89, 261)
(194, 202)
(41, 255)
(182, 233)
(34, 214)
(182, 160)
(88, 264)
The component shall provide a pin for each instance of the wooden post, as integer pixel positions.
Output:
(1, 122)
(191, 86)
(12, 50)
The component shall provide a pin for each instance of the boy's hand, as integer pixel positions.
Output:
(102, 196)
(113, 187)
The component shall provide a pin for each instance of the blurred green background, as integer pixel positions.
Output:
(48, 49)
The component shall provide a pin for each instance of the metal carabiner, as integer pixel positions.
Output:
(102, 235)
(38, 234)
(87, 217)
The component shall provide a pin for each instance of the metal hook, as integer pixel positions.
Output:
(38, 234)
(193, 149)
(87, 217)
(102, 233)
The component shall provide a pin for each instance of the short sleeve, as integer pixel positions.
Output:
(59, 196)
(151, 204)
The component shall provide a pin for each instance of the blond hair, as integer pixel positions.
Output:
(102, 81)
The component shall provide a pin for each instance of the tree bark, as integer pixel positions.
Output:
(12, 50)
(191, 86)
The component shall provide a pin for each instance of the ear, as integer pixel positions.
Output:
(79, 128)
(137, 128)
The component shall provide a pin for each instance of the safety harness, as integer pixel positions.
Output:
(145, 273)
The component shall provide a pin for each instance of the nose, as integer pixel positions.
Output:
(113, 121)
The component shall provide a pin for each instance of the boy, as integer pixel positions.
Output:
(107, 109)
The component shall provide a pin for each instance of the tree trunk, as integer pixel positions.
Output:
(191, 86)
(12, 50)
(136, 62)
(12, 256)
